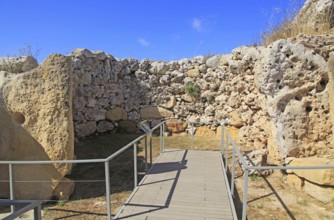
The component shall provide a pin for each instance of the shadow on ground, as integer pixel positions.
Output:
(90, 178)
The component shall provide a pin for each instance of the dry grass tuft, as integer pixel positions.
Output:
(292, 25)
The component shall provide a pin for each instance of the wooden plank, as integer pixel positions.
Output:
(182, 185)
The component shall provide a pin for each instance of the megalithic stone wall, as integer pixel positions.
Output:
(41, 100)
(331, 90)
(36, 123)
(276, 96)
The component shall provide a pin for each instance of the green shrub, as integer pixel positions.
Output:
(253, 177)
(191, 89)
(60, 203)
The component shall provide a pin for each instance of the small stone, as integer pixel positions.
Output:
(104, 126)
(83, 130)
(213, 62)
(176, 126)
(116, 114)
(194, 73)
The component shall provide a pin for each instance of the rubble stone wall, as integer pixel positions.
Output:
(277, 96)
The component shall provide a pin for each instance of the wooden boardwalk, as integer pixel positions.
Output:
(183, 184)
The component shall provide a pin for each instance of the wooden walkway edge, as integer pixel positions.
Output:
(182, 185)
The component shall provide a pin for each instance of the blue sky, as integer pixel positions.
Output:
(154, 29)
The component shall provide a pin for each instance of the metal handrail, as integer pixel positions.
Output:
(241, 158)
(124, 148)
(105, 161)
(28, 205)
(35, 162)
(246, 168)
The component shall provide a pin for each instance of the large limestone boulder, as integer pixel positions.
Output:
(321, 193)
(18, 64)
(86, 129)
(321, 177)
(331, 89)
(116, 114)
(153, 112)
(295, 82)
(16, 143)
(315, 15)
(41, 102)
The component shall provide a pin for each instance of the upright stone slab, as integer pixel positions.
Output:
(32, 181)
(41, 102)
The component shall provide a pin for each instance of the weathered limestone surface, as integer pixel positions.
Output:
(315, 14)
(16, 143)
(294, 80)
(321, 193)
(320, 177)
(295, 182)
(41, 101)
(155, 113)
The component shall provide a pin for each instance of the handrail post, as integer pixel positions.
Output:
(107, 178)
(38, 212)
(233, 168)
(145, 140)
(151, 149)
(135, 165)
(244, 200)
(222, 140)
(160, 138)
(192, 136)
(163, 136)
(226, 153)
(11, 186)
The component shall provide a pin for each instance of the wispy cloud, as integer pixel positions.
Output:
(204, 24)
(143, 42)
(197, 24)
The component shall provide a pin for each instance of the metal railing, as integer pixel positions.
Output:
(28, 205)
(106, 162)
(226, 144)
(226, 141)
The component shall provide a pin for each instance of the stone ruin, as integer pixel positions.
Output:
(36, 124)
(278, 98)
